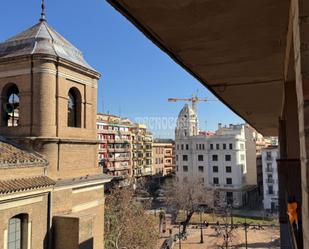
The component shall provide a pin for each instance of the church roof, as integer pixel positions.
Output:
(24, 184)
(42, 39)
(14, 155)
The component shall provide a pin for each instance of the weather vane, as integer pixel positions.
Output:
(42, 19)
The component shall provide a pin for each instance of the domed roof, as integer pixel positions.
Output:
(186, 111)
(42, 39)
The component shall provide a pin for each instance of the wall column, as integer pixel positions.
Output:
(301, 59)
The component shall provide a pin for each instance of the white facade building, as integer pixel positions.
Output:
(225, 160)
(270, 177)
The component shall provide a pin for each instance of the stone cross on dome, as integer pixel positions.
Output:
(42, 19)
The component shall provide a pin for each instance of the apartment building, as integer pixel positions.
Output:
(142, 141)
(163, 151)
(225, 160)
(115, 145)
(259, 174)
(270, 177)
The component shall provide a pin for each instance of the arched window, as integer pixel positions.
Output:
(18, 232)
(74, 108)
(11, 105)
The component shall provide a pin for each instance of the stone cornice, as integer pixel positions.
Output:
(54, 59)
(18, 72)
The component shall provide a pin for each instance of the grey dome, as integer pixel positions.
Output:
(42, 39)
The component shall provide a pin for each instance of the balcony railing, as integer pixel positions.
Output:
(108, 131)
(271, 192)
(122, 141)
(228, 185)
(269, 158)
(111, 159)
(270, 170)
(121, 149)
(270, 180)
(122, 167)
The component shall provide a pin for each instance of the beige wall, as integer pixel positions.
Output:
(36, 208)
(71, 152)
(86, 206)
(158, 158)
(44, 97)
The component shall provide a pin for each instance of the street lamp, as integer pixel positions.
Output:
(179, 236)
(201, 227)
(246, 225)
(202, 208)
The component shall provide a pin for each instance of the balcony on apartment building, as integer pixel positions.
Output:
(118, 159)
(119, 149)
(102, 149)
(269, 169)
(125, 132)
(121, 141)
(122, 167)
(148, 148)
(105, 131)
(138, 164)
(270, 180)
(137, 147)
(138, 140)
(228, 186)
(148, 156)
(125, 149)
(272, 193)
(269, 158)
(111, 140)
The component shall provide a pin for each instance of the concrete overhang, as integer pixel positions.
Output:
(235, 48)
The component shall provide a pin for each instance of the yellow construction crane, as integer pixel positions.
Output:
(193, 100)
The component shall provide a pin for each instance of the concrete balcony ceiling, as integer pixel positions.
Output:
(234, 47)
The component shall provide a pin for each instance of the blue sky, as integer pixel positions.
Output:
(137, 77)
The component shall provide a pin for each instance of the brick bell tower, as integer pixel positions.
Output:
(48, 104)
(49, 99)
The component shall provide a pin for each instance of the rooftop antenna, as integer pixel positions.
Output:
(43, 19)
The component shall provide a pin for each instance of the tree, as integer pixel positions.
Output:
(225, 228)
(189, 197)
(127, 225)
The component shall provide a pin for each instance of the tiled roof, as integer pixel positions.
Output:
(14, 155)
(24, 184)
(42, 39)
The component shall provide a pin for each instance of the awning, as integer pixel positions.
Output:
(234, 47)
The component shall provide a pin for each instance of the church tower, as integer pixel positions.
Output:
(51, 186)
(49, 99)
(187, 123)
